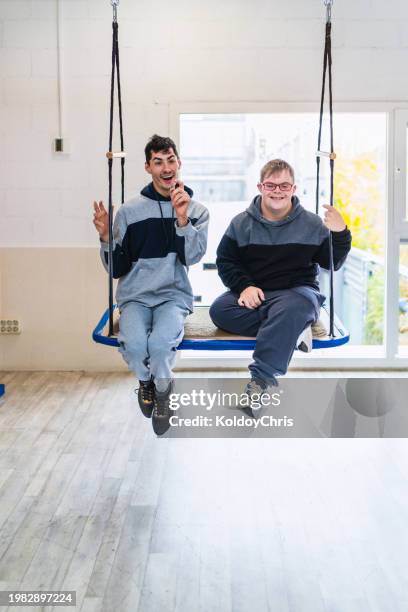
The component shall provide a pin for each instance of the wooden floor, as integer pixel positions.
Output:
(92, 501)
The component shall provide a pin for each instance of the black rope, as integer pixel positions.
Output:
(115, 67)
(327, 67)
(319, 138)
(122, 146)
(329, 59)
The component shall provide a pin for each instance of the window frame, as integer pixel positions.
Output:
(341, 358)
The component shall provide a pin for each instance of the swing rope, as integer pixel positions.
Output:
(214, 339)
(112, 155)
(327, 68)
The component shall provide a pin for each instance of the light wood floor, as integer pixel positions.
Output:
(92, 501)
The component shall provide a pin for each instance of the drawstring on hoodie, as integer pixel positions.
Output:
(172, 231)
(150, 192)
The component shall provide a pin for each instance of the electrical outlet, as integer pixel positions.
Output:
(60, 146)
(10, 326)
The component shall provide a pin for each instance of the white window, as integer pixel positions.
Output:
(222, 154)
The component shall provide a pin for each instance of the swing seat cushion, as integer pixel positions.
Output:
(201, 333)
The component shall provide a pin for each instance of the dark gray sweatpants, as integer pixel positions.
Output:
(277, 323)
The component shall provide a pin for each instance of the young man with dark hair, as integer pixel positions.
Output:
(157, 235)
(269, 259)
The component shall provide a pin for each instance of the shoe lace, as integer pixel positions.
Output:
(253, 387)
(147, 392)
(161, 406)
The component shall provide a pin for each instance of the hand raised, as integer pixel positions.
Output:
(101, 221)
(333, 219)
(180, 201)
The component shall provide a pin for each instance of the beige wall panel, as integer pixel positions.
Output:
(58, 294)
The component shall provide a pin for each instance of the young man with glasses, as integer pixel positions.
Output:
(269, 259)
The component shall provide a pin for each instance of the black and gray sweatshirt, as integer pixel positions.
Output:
(277, 254)
(151, 253)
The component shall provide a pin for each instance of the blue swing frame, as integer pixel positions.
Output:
(341, 335)
(203, 344)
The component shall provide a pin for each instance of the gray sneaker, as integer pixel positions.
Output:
(255, 390)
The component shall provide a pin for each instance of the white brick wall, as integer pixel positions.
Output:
(44, 63)
(40, 201)
(76, 10)
(403, 33)
(374, 34)
(87, 34)
(18, 151)
(15, 9)
(19, 91)
(396, 9)
(170, 52)
(15, 63)
(14, 119)
(29, 34)
(46, 9)
(44, 118)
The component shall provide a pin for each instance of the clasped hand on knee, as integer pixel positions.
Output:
(251, 297)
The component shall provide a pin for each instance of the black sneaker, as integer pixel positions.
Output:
(162, 411)
(145, 395)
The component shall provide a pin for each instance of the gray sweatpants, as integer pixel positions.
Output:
(276, 323)
(148, 337)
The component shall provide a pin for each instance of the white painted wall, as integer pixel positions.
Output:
(171, 52)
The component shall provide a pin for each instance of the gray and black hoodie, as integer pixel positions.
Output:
(151, 253)
(277, 254)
